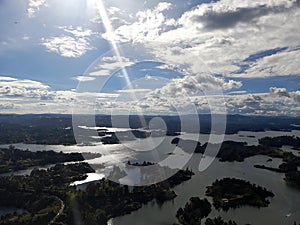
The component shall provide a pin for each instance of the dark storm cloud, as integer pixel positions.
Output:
(222, 20)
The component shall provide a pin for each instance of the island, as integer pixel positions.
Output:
(129, 163)
(232, 193)
(194, 211)
(281, 141)
(229, 150)
(238, 151)
(293, 178)
(13, 159)
(219, 221)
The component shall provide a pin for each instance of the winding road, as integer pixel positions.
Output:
(62, 207)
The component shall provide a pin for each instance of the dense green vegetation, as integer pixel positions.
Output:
(41, 195)
(59, 203)
(106, 199)
(229, 150)
(194, 211)
(238, 151)
(293, 178)
(140, 164)
(12, 159)
(280, 141)
(231, 193)
(219, 221)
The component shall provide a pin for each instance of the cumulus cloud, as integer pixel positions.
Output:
(23, 88)
(28, 96)
(254, 104)
(284, 94)
(67, 46)
(281, 92)
(34, 6)
(220, 35)
(74, 43)
(216, 16)
(149, 24)
(276, 102)
(196, 85)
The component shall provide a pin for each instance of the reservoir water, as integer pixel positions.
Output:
(284, 208)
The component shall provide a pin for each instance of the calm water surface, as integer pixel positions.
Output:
(286, 200)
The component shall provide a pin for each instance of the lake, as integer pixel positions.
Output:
(286, 200)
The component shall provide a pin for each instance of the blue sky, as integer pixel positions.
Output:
(57, 54)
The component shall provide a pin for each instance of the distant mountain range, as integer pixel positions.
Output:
(57, 128)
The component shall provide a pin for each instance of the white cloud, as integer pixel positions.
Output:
(78, 32)
(162, 6)
(30, 84)
(147, 27)
(6, 106)
(281, 64)
(34, 6)
(24, 88)
(26, 96)
(149, 77)
(254, 104)
(67, 46)
(278, 102)
(218, 36)
(195, 85)
(211, 38)
(84, 78)
(110, 64)
(237, 92)
(133, 90)
(99, 73)
(2, 78)
(281, 92)
(75, 43)
(116, 15)
(26, 38)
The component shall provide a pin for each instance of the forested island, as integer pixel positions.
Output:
(238, 151)
(232, 193)
(194, 211)
(197, 209)
(129, 163)
(281, 141)
(293, 178)
(12, 159)
(219, 221)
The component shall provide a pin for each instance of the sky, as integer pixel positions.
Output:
(150, 57)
